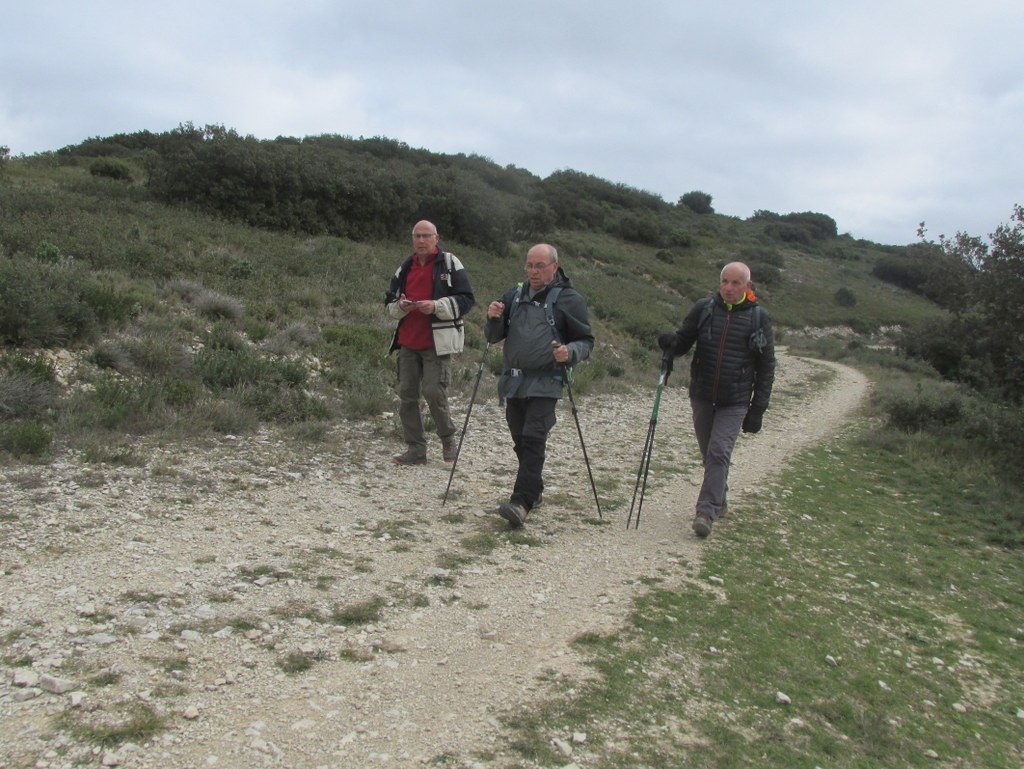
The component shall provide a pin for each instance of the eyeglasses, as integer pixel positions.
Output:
(423, 235)
(540, 266)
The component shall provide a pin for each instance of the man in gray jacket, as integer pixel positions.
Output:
(546, 331)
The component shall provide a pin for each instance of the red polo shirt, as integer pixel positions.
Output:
(415, 332)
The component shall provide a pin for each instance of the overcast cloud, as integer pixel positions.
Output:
(879, 113)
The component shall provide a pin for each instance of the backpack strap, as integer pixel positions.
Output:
(549, 310)
(448, 268)
(549, 306)
(549, 315)
(758, 340)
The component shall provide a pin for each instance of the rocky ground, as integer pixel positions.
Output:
(244, 605)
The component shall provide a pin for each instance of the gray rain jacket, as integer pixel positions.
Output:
(530, 369)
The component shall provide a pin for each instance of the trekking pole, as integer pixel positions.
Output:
(586, 460)
(465, 425)
(645, 457)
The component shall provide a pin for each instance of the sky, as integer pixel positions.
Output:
(880, 113)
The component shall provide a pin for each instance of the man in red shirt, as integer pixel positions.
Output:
(429, 294)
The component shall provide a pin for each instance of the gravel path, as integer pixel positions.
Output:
(192, 587)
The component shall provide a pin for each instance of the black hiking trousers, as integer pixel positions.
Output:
(529, 422)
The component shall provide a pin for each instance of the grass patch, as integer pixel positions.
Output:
(865, 587)
(133, 722)
(362, 613)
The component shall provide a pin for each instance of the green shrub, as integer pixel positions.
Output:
(762, 255)
(222, 368)
(111, 169)
(159, 355)
(210, 304)
(928, 406)
(226, 417)
(41, 304)
(24, 395)
(111, 354)
(363, 391)
(35, 366)
(223, 336)
(766, 274)
(241, 270)
(108, 303)
(48, 252)
(680, 239)
(291, 337)
(357, 341)
(25, 438)
(844, 297)
(698, 202)
(282, 405)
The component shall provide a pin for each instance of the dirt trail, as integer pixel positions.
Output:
(190, 584)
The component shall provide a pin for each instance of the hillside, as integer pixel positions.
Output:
(207, 283)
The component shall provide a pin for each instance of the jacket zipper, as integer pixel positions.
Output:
(721, 354)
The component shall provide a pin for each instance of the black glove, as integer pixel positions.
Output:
(667, 341)
(752, 421)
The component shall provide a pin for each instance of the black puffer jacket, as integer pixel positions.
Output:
(728, 368)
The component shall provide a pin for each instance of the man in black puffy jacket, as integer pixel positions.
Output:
(731, 378)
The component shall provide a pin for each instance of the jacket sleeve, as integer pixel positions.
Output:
(496, 329)
(392, 294)
(574, 326)
(459, 298)
(686, 334)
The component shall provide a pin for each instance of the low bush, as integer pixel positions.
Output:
(25, 438)
(24, 395)
(211, 304)
(111, 169)
(844, 297)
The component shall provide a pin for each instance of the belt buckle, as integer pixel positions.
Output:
(515, 371)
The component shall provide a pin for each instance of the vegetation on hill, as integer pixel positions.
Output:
(200, 282)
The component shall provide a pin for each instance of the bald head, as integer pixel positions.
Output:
(735, 282)
(541, 265)
(424, 239)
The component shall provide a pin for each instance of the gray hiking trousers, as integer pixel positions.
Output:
(717, 428)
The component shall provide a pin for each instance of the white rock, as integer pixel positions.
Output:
(562, 746)
(55, 685)
(959, 707)
(831, 660)
(190, 713)
(25, 678)
(782, 698)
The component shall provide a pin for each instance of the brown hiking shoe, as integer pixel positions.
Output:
(409, 458)
(513, 513)
(450, 448)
